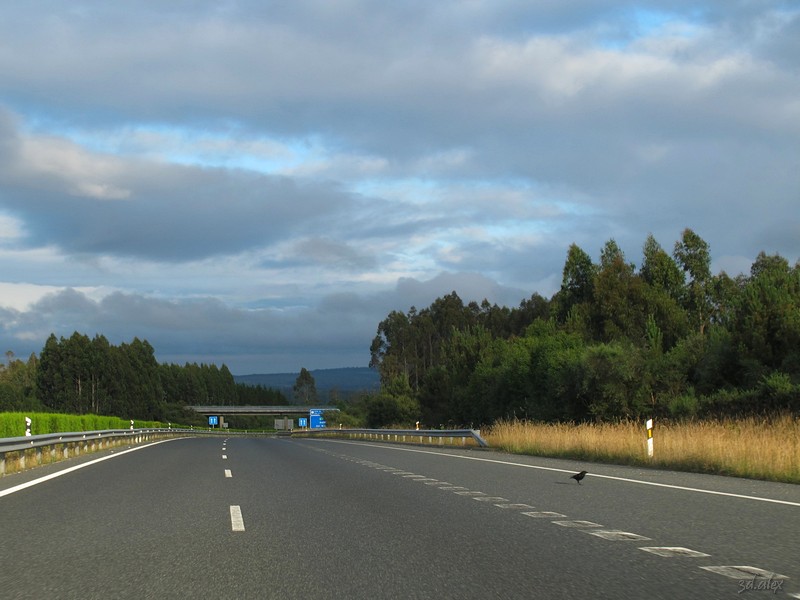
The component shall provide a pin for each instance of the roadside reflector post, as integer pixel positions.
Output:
(27, 426)
(649, 425)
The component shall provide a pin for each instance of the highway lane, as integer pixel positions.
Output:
(331, 519)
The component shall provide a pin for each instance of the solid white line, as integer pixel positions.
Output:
(514, 464)
(237, 522)
(228, 473)
(33, 482)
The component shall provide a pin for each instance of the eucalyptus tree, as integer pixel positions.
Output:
(692, 254)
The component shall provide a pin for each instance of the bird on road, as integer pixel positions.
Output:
(578, 476)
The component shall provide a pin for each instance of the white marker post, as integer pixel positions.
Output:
(27, 426)
(649, 438)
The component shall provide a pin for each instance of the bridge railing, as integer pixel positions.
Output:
(461, 437)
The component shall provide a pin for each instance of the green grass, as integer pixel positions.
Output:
(12, 424)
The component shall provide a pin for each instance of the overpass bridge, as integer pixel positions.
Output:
(255, 411)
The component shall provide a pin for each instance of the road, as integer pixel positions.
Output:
(294, 518)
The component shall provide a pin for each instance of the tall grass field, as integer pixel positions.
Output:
(13, 424)
(754, 448)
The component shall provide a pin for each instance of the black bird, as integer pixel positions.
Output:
(578, 476)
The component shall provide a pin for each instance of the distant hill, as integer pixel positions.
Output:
(345, 381)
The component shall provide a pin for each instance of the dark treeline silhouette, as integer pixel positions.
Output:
(615, 342)
(80, 375)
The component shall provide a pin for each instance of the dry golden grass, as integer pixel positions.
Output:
(755, 448)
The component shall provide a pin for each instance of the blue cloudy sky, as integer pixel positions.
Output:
(259, 183)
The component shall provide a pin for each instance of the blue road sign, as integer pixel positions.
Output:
(213, 421)
(315, 415)
(302, 422)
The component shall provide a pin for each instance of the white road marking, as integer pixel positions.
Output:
(237, 522)
(545, 514)
(468, 493)
(224, 457)
(491, 499)
(524, 466)
(578, 524)
(228, 473)
(616, 536)
(515, 506)
(674, 551)
(450, 488)
(33, 482)
(744, 572)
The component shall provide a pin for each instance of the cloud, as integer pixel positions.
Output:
(208, 172)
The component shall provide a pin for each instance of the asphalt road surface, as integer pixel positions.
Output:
(293, 518)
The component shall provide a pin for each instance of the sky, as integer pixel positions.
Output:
(259, 183)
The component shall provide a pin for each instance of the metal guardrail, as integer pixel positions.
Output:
(15, 444)
(17, 453)
(397, 435)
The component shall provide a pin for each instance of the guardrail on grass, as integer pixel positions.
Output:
(420, 436)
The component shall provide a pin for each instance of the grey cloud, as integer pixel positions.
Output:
(168, 212)
(336, 330)
(333, 254)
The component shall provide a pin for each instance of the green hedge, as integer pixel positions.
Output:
(12, 424)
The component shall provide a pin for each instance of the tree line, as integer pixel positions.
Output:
(81, 375)
(615, 342)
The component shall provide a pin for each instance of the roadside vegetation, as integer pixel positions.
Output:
(615, 343)
(749, 447)
(84, 376)
(14, 424)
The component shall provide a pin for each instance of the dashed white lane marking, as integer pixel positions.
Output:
(578, 524)
(674, 551)
(538, 467)
(224, 457)
(616, 536)
(33, 482)
(736, 572)
(744, 572)
(237, 522)
(228, 473)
